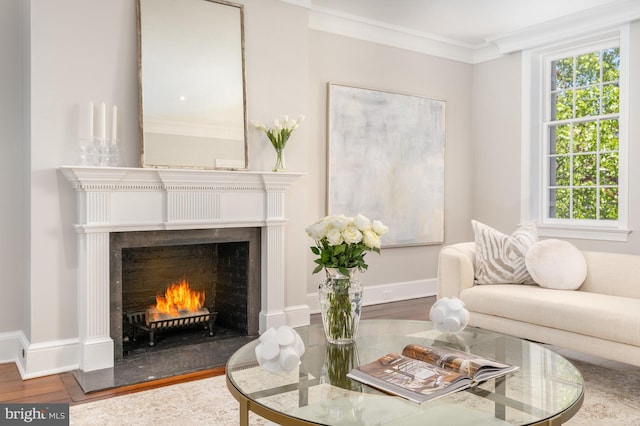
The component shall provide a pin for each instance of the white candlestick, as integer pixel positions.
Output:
(90, 123)
(103, 121)
(114, 124)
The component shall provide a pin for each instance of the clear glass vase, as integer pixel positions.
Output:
(340, 403)
(340, 305)
(279, 166)
(339, 360)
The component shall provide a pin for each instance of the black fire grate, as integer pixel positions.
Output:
(139, 322)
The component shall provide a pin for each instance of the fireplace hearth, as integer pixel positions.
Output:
(180, 352)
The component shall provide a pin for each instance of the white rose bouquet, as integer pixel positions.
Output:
(342, 241)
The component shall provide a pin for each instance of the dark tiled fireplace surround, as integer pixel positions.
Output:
(122, 208)
(224, 263)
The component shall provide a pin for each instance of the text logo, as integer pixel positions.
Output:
(34, 414)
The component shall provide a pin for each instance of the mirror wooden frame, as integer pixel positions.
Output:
(195, 152)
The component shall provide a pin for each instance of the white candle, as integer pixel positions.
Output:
(90, 123)
(103, 121)
(114, 124)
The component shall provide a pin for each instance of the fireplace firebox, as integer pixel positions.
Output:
(221, 264)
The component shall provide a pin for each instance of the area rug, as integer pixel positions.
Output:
(611, 398)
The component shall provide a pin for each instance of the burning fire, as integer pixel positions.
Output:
(178, 299)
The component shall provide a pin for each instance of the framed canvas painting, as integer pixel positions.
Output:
(386, 161)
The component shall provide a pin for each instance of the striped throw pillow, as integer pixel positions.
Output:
(500, 258)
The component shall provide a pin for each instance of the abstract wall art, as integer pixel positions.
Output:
(386, 158)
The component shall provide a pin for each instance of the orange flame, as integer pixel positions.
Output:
(179, 297)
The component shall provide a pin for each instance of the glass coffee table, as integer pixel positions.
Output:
(546, 390)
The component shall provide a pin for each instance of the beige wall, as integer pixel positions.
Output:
(277, 52)
(10, 188)
(496, 142)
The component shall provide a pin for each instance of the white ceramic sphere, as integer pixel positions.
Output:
(449, 315)
(279, 350)
(270, 349)
(284, 335)
(289, 359)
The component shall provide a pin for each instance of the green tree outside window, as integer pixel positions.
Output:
(584, 136)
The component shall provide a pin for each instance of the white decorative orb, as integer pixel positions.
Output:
(449, 315)
(270, 334)
(270, 349)
(289, 359)
(279, 349)
(438, 314)
(284, 335)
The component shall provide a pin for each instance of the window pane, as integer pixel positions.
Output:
(611, 64)
(562, 74)
(559, 206)
(560, 171)
(582, 151)
(610, 98)
(584, 203)
(562, 104)
(609, 203)
(585, 137)
(609, 169)
(559, 139)
(584, 170)
(588, 69)
(609, 135)
(587, 101)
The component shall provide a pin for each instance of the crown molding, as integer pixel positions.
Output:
(335, 22)
(564, 28)
(569, 27)
(302, 3)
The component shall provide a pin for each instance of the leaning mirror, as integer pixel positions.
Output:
(191, 84)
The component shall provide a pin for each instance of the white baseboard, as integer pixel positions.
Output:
(297, 315)
(52, 357)
(39, 359)
(385, 293)
(10, 346)
(13, 348)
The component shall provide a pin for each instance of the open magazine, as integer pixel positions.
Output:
(423, 373)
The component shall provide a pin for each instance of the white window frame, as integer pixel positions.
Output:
(536, 89)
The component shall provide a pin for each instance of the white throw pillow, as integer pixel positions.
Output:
(500, 257)
(556, 264)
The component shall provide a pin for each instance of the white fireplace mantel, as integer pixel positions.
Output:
(116, 199)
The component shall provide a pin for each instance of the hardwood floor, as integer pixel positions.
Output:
(63, 388)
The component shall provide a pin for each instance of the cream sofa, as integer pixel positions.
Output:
(601, 318)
